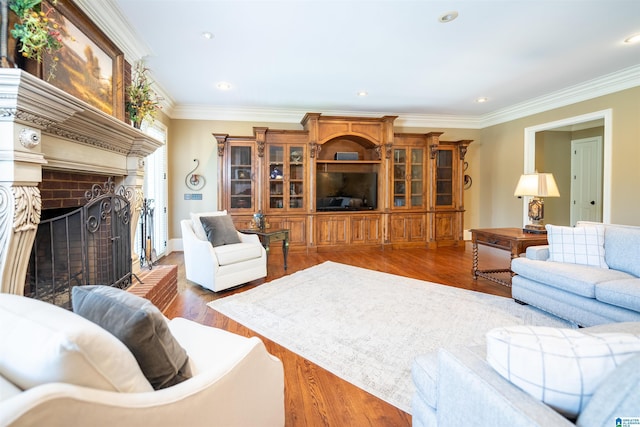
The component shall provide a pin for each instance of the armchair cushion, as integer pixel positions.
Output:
(561, 367)
(232, 254)
(198, 229)
(140, 326)
(220, 230)
(43, 343)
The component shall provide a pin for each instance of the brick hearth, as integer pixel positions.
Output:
(159, 285)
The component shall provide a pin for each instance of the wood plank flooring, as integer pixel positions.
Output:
(314, 396)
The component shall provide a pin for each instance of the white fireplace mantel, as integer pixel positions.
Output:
(43, 127)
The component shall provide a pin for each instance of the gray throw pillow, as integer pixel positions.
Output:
(220, 230)
(140, 326)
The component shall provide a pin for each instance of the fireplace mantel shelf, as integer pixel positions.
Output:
(32, 102)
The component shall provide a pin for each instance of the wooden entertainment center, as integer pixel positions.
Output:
(345, 181)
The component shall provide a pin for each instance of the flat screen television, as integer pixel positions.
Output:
(348, 191)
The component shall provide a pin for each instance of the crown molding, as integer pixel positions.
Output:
(610, 83)
(605, 85)
(109, 18)
(272, 115)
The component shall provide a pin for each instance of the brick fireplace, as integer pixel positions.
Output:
(51, 142)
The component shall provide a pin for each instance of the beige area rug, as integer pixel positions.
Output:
(367, 327)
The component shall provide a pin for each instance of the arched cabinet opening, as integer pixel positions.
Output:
(347, 175)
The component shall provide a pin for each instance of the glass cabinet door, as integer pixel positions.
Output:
(416, 198)
(286, 177)
(296, 177)
(241, 178)
(399, 177)
(444, 178)
(276, 177)
(408, 178)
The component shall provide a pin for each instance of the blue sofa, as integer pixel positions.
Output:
(584, 294)
(457, 387)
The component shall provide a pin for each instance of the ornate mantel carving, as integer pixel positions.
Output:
(42, 126)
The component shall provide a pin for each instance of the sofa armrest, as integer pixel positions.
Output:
(470, 391)
(540, 253)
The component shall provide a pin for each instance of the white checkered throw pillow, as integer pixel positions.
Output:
(561, 367)
(577, 245)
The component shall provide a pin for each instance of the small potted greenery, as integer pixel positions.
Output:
(36, 31)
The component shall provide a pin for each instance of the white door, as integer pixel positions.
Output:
(586, 180)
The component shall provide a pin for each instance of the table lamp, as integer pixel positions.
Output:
(537, 185)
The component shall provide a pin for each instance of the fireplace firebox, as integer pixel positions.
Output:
(89, 245)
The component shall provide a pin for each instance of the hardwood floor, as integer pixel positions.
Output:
(314, 396)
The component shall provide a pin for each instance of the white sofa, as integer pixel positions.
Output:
(235, 381)
(222, 267)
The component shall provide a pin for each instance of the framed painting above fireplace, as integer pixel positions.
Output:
(89, 66)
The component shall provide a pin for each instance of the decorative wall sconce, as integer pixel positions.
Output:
(193, 181)
(467, 178)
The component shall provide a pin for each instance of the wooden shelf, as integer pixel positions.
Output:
(349, 162)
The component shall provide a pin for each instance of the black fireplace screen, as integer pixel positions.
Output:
(88, 246)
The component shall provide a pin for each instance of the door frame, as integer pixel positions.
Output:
(530, 154)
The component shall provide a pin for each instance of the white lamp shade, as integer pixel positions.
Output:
(538, 185)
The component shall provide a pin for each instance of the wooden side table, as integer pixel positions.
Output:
(513, 240)
(268, 236)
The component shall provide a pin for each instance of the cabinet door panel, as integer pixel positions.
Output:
(297, 227)
(407, 228)
(332, 230)
(398, 229)
(445, 226)
(416, 228)
(365, 229)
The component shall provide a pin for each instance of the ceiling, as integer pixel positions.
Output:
(295, 56)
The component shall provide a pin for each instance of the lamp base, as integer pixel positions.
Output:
(535, 229)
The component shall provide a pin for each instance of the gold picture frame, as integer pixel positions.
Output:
(89, 66)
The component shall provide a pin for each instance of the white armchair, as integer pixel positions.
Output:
(222, 267)
(235, 381)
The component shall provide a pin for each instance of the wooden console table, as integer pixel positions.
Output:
(513, 240)
(268, 236)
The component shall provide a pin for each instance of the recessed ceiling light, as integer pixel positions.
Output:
(632, 39)
(207, 35)
(448, 17)
(363, 93)
(482, 99)
(223, 86)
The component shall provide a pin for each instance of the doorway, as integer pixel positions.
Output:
(605, 118)
(586, 180)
